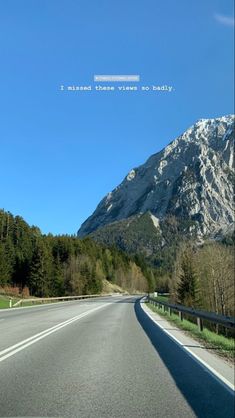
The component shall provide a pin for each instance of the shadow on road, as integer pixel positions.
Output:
(206, 395)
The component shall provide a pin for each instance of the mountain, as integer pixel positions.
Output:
(189, 183)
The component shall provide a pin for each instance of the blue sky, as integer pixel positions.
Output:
(61, 152)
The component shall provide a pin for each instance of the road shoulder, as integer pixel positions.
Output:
(217, 366)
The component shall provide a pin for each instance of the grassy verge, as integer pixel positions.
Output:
(224, 346)
(162, 298)
(4, 302)
(37, 303)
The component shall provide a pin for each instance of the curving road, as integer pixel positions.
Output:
(100, 358)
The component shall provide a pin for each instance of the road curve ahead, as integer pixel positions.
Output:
(100, 358)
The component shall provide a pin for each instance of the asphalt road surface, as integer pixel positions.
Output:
(100, 358)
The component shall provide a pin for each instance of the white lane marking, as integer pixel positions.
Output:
(10, 351)
(192, 354)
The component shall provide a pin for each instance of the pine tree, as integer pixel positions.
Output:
(57, 283)
(40, 277)
(4, 267)
(187, 287)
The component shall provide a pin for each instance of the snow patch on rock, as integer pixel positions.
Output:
(155, 221)
(108, 197)
(162, 164)
(131, 175)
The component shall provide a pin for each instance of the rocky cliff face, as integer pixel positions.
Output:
(191, 179)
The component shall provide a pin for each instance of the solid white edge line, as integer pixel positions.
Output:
(31, 340)
(191, 353)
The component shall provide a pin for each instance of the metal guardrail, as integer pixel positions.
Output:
(60, 298)
(226, 321)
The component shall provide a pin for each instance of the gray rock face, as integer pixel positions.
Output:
(192, 178)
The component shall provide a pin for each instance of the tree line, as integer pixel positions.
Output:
(47, 265)
(203, 277)
(50, 265)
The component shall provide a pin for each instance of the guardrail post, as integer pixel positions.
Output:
(200, 324)
(200, 316)
(10, 303)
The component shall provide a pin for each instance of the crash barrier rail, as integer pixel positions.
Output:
(60, 298)
(226, 321)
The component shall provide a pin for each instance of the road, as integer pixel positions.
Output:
(100, 358)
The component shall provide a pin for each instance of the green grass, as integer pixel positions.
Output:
(162, 298)
(223, 345)
(4, 302)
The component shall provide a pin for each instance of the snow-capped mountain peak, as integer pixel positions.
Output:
(192, 178)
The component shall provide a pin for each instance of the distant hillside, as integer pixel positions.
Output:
(63, 265)
(143, 234)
